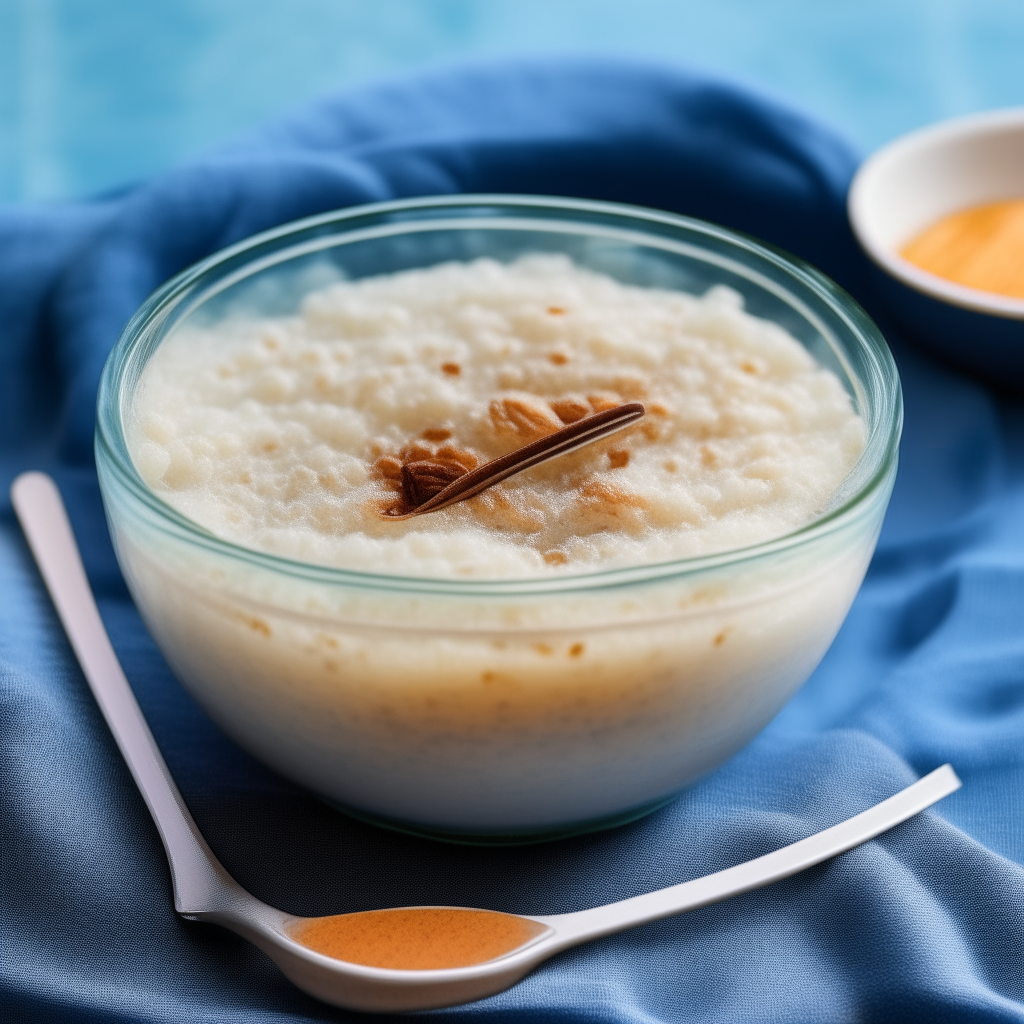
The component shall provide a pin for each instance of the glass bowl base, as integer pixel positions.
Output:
(524, 837)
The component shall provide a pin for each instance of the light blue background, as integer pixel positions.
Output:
(95, 94)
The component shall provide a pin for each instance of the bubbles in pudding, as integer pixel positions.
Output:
(292, 435)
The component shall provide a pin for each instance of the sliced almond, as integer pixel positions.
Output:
(524, 417)
(570, 409)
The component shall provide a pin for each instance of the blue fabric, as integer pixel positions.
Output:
(924, 924)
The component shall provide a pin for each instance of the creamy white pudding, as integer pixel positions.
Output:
(288, 435)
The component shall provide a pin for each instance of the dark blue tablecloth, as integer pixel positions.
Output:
(924, 924)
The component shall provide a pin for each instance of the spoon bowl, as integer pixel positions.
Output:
(204, 891)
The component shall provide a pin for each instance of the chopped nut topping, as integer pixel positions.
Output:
(436, 434)
(452, 369)
(570, 410)
(524, 416)
(433, 483)
(618, 458)
(422, 480)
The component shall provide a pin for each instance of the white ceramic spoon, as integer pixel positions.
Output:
(204, 891)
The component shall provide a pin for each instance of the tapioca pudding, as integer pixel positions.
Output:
(288, 435)
(568, 648)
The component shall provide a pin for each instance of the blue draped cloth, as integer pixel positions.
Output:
(925, 923)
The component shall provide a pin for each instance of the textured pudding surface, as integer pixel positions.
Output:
(288, 435)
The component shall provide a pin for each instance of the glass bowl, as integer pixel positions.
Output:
(498, 710)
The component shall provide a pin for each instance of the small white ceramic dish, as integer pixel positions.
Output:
(914, 182)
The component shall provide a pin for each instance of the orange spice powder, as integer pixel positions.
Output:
(417, 938)
(981, 247)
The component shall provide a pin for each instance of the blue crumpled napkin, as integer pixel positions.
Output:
(924, 923)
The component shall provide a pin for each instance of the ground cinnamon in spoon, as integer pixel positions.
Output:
(981, 247)
(417, 938)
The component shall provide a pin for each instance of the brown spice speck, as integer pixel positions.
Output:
(556, 310)
(558, 358)
(618, 458)
(542, 648)
(708, 457)
(576, 650)
(436, 434)
(748, 367)
(720, 639)
(270, 446)
(555, 558)
(257, 625)
(452, 369)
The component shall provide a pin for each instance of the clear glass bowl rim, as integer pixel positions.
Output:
(883, 386)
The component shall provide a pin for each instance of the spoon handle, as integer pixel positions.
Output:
(199, 879)
(584, 925)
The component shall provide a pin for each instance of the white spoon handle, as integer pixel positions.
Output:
(589, 924)
(199, 879)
